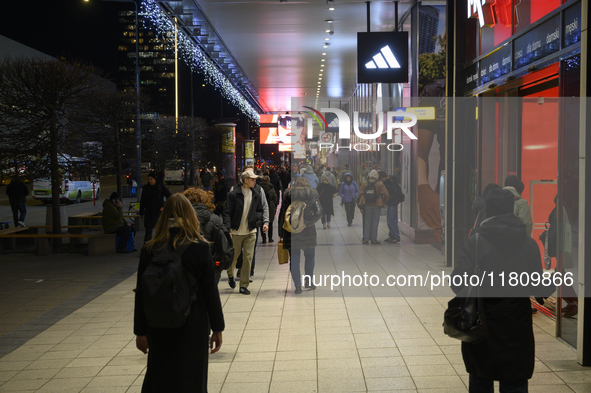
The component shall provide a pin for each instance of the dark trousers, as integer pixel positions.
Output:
(254, 254)
(483, 385)
(269, 232)
(148, 235)
(350, 211)
(16, 209)
(123, 232)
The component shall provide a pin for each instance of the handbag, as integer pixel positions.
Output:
(282, 254)
(464, 318)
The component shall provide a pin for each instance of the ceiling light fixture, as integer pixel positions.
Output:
(329, 20)
(323, 54)
(327, 39)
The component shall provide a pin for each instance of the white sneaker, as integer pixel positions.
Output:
(21, 224)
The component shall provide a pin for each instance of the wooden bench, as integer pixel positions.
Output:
(98, 244)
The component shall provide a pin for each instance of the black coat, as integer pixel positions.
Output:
(325, 194)
(508, 351)
(277, 183)
(272, 198)
(307, 237)
(235, 205)
(17, 192)
(151, 202)
(177, 358)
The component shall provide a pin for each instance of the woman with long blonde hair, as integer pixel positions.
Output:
(178, 357)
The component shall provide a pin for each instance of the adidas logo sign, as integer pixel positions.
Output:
(385, 59)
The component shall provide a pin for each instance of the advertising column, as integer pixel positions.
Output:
(228, 151)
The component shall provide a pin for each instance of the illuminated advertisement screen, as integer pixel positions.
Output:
(268, 129)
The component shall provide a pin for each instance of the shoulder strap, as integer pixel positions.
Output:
(476, 264)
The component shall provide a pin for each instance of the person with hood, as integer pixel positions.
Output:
(348, 192)
(478, 207)
(17, 193)
(325, 194)
(272, 200)
(113, 222)
(152, 203)
(330, 176)
(521, 209)
(373, 195)
(178, 357)
(306, 240)
(311, 177)
(506, 354)
(209, 223)
(220, 192)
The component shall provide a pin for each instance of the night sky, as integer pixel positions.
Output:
(73, 29)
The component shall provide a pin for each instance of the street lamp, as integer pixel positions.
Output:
(138, 131)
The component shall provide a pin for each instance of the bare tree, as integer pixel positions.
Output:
(178, 141)
(39, 99)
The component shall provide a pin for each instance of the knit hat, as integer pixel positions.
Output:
(489, 187)
(513, 181)
(499, 202)
(114, 195)
(373, 174)
(152, 175)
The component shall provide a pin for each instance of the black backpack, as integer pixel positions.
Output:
(371, 193)
(222, 249)
(167, 288)
(396, 194)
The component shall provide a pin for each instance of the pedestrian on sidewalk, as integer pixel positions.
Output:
(17, 193)
(349, 192)
(326, 192)
(178, 357)
(272, 200)
(396, 197)
(152, 201)
(372, 197)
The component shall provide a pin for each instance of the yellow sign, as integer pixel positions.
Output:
(228, 139)
(249, 149)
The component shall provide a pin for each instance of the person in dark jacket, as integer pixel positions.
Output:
(276, 181)
(478, 207)
(243, 214)
(273, 201)
(285, 176)
(396, 197)
(209, 223)
(17, 193)
(113, 221)
(325, 193)
(349, 191)
(372, 197)
(220, 192)
(178, 357)
(152, 203)
(507, 352)
(206, 179)
(305, 240)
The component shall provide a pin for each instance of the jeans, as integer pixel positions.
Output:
(371, 216)
(392, 218)
(483, 385)
(310, 260)
(325, 218)
(350, 210)
(16, 209)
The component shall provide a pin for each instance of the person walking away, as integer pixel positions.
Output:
(506, 354)
(521, 209)
(478, 207)
(372, 197)
(220, 192)
(306, 240)
(273, 201)
(178, 357)
(113, 222)
(275, 179)
(152, 203)
(396, 197)
(330, 176)
(17, 193)
(209, 225)
(311, 176)
(349, 192)
(325, 194)
(243, 215)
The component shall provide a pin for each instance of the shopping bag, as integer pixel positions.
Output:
(282, 254)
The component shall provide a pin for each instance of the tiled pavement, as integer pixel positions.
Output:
(66, 326)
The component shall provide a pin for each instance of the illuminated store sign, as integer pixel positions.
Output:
(382, 57)
(490, 12)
